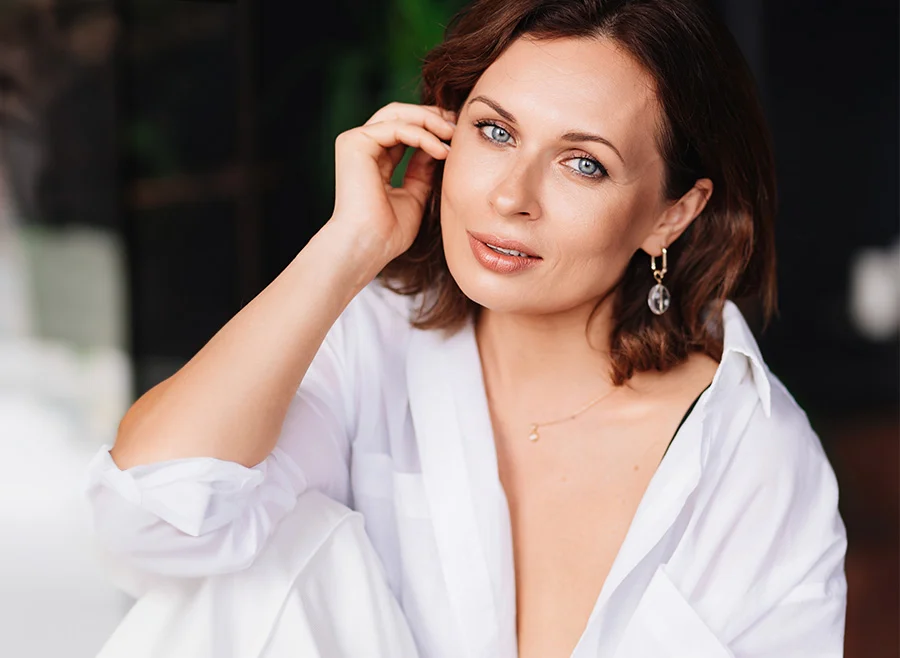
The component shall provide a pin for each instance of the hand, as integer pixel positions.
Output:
(385, 218)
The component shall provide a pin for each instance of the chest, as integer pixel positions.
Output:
(572, 496)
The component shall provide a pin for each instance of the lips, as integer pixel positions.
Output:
(496, 242)
(502, 256)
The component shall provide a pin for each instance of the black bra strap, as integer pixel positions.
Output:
(684, 418)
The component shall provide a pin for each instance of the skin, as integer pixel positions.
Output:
(572, 495)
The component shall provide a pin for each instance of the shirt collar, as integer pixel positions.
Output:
(740, 346)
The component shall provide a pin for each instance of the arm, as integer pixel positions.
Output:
(200, 516)
(230, 400)
(206, 463)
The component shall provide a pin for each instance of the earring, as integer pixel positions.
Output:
(659, 296)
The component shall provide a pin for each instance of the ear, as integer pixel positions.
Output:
(677, 217)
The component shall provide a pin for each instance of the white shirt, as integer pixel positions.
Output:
(736, 549)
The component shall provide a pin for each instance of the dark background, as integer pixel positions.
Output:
(237, 115)
(214, 125)
(205, 140)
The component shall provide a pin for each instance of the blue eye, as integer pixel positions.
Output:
(496, 133)
(589, 167)
(499, 135)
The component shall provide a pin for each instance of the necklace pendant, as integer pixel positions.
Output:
(534, 434)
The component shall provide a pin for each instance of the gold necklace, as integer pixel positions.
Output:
(534, 436)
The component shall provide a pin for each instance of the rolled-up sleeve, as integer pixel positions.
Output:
(202, 516)
(190, 517)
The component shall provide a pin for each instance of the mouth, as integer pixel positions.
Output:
(504, 247)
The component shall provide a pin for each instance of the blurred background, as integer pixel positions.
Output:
(161, 161)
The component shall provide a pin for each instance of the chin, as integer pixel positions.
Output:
(518, 293)
(496, 292)
(527, 293)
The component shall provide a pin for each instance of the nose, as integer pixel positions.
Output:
(516, 193)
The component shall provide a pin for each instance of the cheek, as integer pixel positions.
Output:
(589, 226)
(450, 182)
(456, 201)
(596, 236)
(466, 175)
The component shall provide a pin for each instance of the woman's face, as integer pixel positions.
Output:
(555, 150)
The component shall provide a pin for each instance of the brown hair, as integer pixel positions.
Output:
(712, 127)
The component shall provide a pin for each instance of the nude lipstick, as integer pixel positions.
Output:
(501, 255)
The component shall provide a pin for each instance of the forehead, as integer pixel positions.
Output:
(575, 84)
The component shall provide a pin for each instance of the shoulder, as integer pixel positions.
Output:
(766, 529)
(782, 436)
(767, 477)
(759, 417)
(775, 467)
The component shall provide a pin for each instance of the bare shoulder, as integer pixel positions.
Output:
(683, 382)
(699, 369)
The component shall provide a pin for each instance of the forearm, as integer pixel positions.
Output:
(229, 401)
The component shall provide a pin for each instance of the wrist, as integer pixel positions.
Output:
(359, 256)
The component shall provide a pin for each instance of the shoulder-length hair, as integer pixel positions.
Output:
(712, 126)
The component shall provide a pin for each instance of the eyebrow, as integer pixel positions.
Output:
(570, 136)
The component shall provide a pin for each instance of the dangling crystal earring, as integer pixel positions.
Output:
(659, 296)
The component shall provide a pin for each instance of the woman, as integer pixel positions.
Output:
(562, 436)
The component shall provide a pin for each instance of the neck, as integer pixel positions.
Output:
(561, 352)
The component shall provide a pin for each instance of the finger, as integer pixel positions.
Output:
(428, 117)
(417, 183)
(396, 153)
(418, 178)
(397, 110)
(389, 134)
(448, 115)
(441, 127)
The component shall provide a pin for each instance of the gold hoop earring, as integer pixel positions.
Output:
(659, 298)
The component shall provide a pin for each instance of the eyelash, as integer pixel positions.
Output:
(601, 170)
